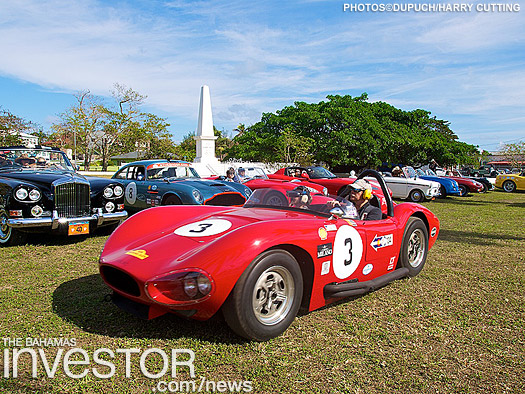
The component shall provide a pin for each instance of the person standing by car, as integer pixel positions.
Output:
(360, 195)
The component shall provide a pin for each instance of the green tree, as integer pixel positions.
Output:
(10, 127)
(98, 129)
(80, 126)
(350, 131)
(515, 153)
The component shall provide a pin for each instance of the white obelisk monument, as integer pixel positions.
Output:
(206, 161)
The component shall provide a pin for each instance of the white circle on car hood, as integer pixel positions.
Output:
(204, 228)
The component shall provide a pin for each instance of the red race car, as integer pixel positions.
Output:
(259, 264)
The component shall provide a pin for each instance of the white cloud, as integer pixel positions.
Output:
(456, 65)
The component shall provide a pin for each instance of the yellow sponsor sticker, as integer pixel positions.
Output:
(322, 233)
(138, 253)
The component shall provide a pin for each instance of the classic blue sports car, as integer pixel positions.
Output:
(151, 183)
(449, 187)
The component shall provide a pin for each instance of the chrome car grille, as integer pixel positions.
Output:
(72, 200)
(227, 199)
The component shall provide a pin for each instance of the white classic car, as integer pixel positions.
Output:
(408, 186)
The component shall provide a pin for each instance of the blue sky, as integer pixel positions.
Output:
(464, 67)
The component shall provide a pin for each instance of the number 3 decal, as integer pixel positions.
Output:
(348, 250)
(204, 228)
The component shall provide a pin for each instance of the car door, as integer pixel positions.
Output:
(133, 179)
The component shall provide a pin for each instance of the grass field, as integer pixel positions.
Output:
(459, 327)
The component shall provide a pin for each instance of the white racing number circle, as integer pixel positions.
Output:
(131, 193)
(204, 228)
(348, 250)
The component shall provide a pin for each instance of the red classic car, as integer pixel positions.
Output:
(259, 264)
(467, 185)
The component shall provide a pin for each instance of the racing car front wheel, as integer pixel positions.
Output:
(266, 298)
(414, 247)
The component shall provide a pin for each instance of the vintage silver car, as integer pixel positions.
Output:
(408, 186)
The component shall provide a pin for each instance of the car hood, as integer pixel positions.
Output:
(438, 179)
(211, 185)
(152, 242)
(43, 178)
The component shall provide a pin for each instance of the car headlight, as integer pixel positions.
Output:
(325, 191)
(118, 190)
(108, 192)
(37, 211)
(34, 195)
(21, 193)
(110, 206)
(184, 287)
(197, 196)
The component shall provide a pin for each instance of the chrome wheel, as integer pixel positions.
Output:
(273, 295)
(509, 186)
(416, 196)
(416, 248)
(5, 230)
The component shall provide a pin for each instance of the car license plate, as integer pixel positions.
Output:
(78, 228)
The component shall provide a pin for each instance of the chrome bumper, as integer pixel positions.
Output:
(54, 221)
(432, 193)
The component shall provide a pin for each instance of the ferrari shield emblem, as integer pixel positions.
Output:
(139, 254)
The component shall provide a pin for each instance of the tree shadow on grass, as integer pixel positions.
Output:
(475, 237)
(84, 302)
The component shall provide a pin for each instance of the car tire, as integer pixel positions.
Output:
(414, 247)
(442, 192)
(8, 235)
(485, 188)
(509, 186)
(463, 190)
(416, 195)
(275, 198)
(172, 200)
(266, 298)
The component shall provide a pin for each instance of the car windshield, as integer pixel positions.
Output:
(410, 172)
(294, 200)
(27, 159)
(420, 172)
(171, 170)
(319, 173)
(254, 173)
(431, 172)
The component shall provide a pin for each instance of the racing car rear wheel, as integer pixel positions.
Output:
(9, 235)
(509, 186)
(414, 247)
(266, 298)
